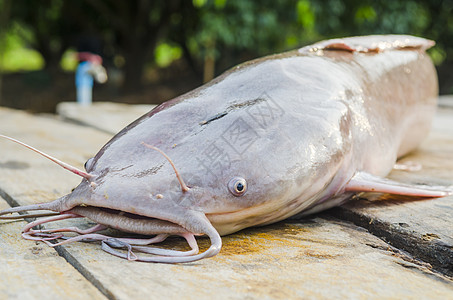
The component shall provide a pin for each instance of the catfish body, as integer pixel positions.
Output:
(297, 126)
(288, 134)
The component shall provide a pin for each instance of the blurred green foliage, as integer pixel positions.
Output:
(69, 61)
(165, 54)
(17, 56)
(209, 35)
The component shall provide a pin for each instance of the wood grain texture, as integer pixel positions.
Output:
(30, 270)
(44, 180)
(313, 259)
(104, 116)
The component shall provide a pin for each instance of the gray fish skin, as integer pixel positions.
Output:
(296, 126)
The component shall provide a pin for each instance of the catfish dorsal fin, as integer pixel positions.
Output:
(55, 160)
(365, 182)
(371, 43)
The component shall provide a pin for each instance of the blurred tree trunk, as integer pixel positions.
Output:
(51, 56)
(138, 25)
(5, 9)
(137, 50)
(133, 69)
(51, 26)
(445, 75)
(209, 61)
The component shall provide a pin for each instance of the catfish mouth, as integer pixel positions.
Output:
(192, 222)
(128, 222)
(125, 221)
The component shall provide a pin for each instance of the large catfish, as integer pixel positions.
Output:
(292, 133)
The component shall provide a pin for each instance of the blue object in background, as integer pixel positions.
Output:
(84, 83)
(89, 69)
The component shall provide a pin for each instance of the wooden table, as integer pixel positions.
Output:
(375, 247)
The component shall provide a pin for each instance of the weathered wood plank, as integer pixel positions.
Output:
(44, 180)
(422, 227)
(312, 259)
(318, 258)
(30, 270)
(105, 116)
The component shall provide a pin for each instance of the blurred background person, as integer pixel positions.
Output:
(89, 69)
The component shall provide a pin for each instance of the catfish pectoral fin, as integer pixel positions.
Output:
(365, 182)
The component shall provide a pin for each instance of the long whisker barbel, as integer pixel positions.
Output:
(184, 187)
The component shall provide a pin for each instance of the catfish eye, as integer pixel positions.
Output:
(89, 163)
(237, 186)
